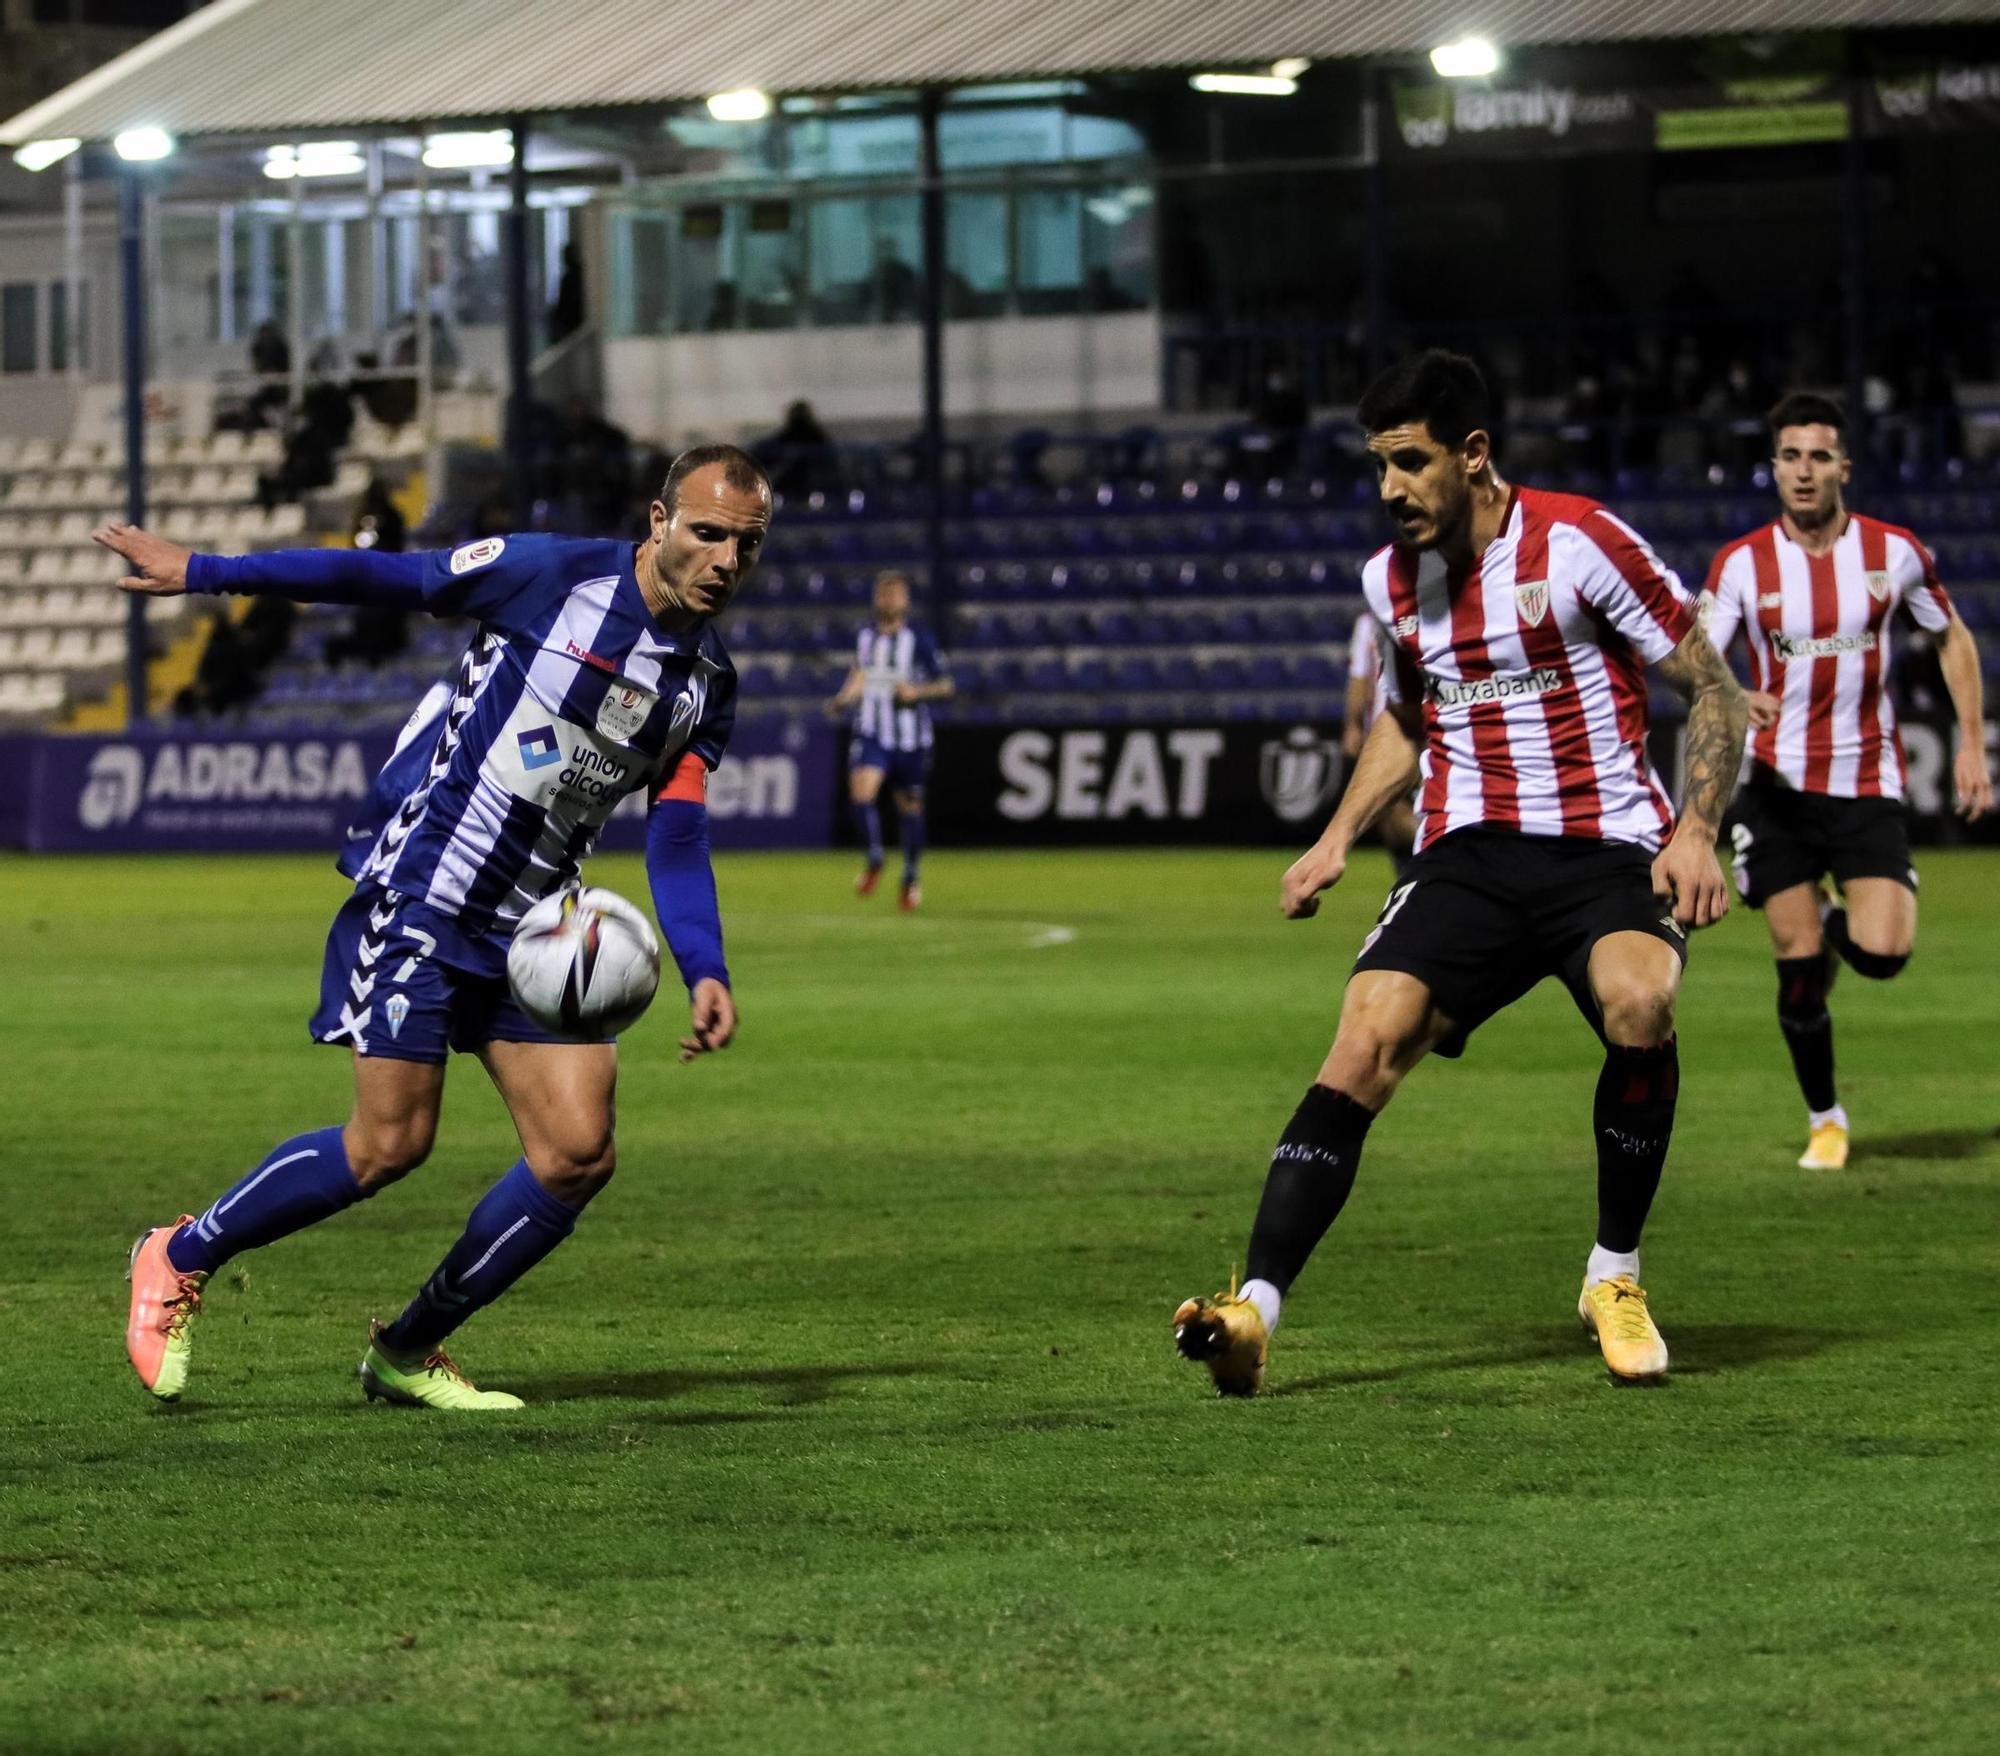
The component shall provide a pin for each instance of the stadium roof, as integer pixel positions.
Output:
(265, 66)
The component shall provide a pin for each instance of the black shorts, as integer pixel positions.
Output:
(1482, 915)
(1784, 837)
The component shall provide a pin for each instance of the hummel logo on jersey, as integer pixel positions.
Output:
(588, 657)
(539, 748)
(1403, 627)
(1446, 693)
(1531, 598)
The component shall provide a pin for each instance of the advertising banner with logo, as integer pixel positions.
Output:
(297, 792)
(1253, 784)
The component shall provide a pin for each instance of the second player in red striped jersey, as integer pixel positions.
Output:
(1517, 628)
(1814, 595)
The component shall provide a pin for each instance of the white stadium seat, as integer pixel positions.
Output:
(48, 567)
(108, 647)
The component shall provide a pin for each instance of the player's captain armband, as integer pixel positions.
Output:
(688, 782)
(470, 555)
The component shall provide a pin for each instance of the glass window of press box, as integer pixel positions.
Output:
(813, 217)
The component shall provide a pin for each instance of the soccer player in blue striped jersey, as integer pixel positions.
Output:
(898, 672)
(595, 673)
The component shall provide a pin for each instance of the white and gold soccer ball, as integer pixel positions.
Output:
(584, 962)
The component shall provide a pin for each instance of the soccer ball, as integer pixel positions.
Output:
(584, 962)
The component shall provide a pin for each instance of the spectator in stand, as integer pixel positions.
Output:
(325, 423)
(270, 357)
(230, 673)
(566, 314)
(378, 632)
(1268, 444)
(593, 460)
(799, 456)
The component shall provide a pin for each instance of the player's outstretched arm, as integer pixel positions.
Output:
(1686, 871)
(312, 576)
(1972, 780)
(683, 885)
(1386, 771)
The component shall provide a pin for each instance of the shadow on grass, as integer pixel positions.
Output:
(794, 1386)
(1549, 1345)
(1697, 1349)
(1721, 1347)
(1935, 1143)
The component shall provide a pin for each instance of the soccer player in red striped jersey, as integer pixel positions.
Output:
(1813, 594)
(1518, 626)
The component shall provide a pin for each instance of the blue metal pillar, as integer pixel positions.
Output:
(132, 277)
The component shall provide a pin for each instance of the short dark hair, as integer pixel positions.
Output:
(1805, 408)
(739, 469)
(1444, 391)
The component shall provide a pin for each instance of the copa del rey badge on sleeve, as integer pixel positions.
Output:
(623, 711)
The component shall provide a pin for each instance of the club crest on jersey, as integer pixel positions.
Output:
(470, 555)
(623, 711)
(1531, 598)
(1878, 584)
(397, 1009)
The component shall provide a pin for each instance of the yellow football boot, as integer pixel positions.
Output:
(1826, 1149)
(1615, 1312)
(1227, 1335)
(422, 1380)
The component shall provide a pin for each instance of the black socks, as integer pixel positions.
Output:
(1312, 1172)
(1634, 1120)
(1808, 1026)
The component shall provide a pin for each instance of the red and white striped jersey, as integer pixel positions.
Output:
(1818, 631)
(1364, 662)
(1531, 670)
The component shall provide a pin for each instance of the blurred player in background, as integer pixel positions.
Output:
(595, 673)
(1366, 695)
(898, 672)
(1813, 594)
(1520, 624)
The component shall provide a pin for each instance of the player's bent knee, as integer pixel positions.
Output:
(378, 1154)
(574, 1170)
(1637, 1014)
(1878, 966)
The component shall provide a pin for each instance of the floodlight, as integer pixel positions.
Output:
(1468, 58)
(315, 158)
(1249, 85)
(747, 104)
(469, 152)
(142, 144)
(1290, 67)
(38, 155)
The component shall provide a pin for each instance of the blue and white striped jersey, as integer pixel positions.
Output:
(909, 655)
(568, 699)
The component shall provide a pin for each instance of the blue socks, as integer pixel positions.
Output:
(299, 1183)
(911, 823)
(868, 826)
(516, 1224)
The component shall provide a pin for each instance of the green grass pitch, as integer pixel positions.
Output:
(856, 1424)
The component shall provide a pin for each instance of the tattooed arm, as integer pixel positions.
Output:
(1686, 871)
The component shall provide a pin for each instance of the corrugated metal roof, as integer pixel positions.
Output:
(265, 66)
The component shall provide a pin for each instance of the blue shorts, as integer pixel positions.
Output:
(393, 989)
(905, 771)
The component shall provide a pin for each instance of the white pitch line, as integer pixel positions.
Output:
(1044, 937)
